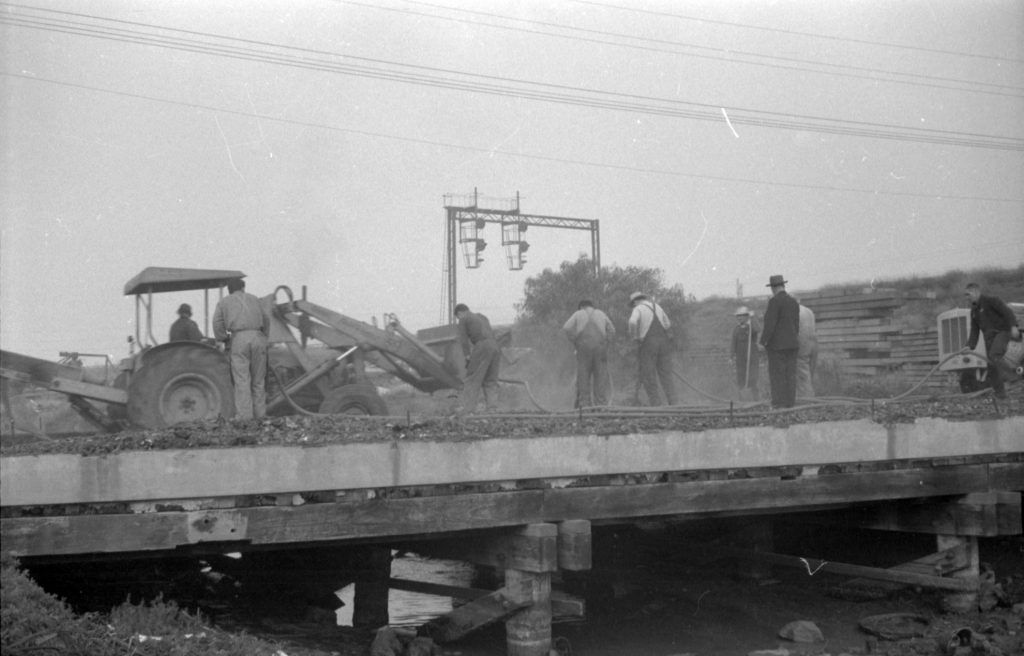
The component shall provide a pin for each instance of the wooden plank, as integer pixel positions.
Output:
(815, 566)
(815, 301)
(853, 314)
(468, 617)
(826, 329)
(184, 474)
(436, 589)
(403, 518)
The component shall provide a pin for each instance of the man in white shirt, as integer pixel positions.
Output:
(239, 321)
(650, 326)
(591, 331)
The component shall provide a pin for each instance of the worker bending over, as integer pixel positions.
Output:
(484, 360)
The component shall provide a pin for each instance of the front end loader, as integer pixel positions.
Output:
(317, 362)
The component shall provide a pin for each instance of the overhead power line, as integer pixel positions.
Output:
(729, 55)
(517, 155)
(815, 35)
(493, 85)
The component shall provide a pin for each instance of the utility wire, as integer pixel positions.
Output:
(799, 33)
(493, 151)
(498, 85)
(994, 89)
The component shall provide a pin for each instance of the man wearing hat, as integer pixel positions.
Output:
(780, 339)
(649, 325)
(744, 354)
(184, 329)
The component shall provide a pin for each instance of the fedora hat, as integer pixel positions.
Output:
(636, 296)
(775, 281)
(742, 311)
(185, 308)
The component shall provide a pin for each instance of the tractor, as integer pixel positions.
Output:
(317, 361)
(954, 329)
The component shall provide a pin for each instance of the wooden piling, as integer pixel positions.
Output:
(370, 600)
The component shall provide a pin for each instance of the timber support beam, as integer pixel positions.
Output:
(527, 556)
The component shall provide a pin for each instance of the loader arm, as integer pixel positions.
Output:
(395, 353)
(66, 380)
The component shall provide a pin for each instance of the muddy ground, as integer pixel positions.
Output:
(651, 593)
(645, 599)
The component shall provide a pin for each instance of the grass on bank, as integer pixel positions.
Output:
(33, 622)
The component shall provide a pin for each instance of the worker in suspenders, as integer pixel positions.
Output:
(649, 325)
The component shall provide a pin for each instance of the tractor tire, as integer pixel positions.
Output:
(353, 399)
(188, 382)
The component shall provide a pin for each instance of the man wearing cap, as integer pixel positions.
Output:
(484, 355)
(591, 331)
(744, 354)
(184, 329)
(649, 325)
(240, 318)
(780, 339)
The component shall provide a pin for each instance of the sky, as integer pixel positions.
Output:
(312, 143)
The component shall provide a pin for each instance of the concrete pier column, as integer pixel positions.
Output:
(528, 631)
(970, 567)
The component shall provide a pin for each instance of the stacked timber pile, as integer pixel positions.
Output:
(858, 330)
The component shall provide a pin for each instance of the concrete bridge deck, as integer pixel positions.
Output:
(138, 501)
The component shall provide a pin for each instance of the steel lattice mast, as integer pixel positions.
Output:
(465, 217)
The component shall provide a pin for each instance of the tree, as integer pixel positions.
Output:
(551, 296)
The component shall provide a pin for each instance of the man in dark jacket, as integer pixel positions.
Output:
(780, 339)
(184, 329)
(480, 347)
(993, 319)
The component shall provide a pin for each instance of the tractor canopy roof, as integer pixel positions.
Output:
(169, 279)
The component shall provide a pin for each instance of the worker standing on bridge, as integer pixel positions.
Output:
(184, 329)
(591, 331)
(483, 359)
(780, 338)
(240, 322)
(807, 353)
(744, 354)
(993, 319)
(649, 325)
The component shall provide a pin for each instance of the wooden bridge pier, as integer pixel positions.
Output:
(528, 557)
(954, 567)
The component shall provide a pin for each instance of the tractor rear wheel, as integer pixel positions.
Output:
(354, 399)
(188, 382)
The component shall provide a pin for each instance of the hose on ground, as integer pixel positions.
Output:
(748, 409)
